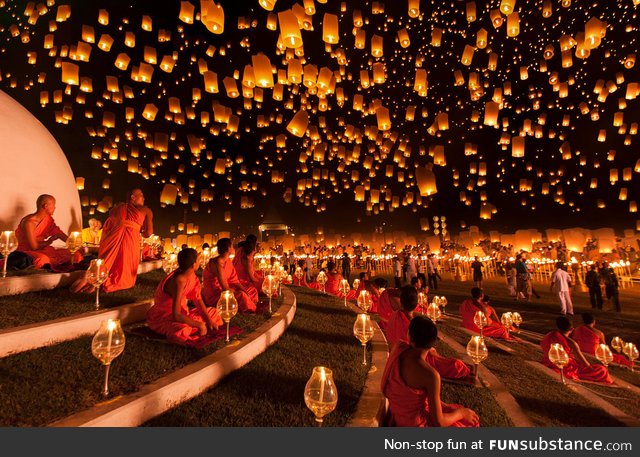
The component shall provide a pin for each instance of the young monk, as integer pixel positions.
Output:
(471, 306)
(170, 315)
(37, 231)
(413, 386)
(219, 275)
(578, 367)
(244, 264)
(388, 303)
(398, 326)
(589, 338)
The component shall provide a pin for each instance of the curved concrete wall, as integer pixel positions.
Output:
(32, 164)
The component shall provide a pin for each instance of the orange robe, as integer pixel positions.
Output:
(408, 407)
(213, 289)
(48, 255)
(588, 340)
(333, 284)
(574, 369)
(396, 331)
(160, 315)
(243, 273)
(120, 246)
(385, 304)
(494, 329)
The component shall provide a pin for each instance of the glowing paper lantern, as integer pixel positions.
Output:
(298, 124)
(289, 29)
(330, 32)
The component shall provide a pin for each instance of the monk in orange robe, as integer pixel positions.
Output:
(471, 306)
(37, 231)
(398, 326)
(388, 303)
(170, 315)
(412, 386)
(578, 367)
(219, 275)
(244, 264)
(589, 338)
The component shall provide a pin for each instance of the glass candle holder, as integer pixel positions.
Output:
(363, 331)
(8, 244)
(604, 354)
(320, 393)
(477, 351)
(364, 300)
(227, 308)
(107, 344)
(559, 357)
(96, 274)
(480, 319)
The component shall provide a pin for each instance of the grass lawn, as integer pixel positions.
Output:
(33, 307)
(479, 399)
(269, 390)
(40, 386)
(547, 403)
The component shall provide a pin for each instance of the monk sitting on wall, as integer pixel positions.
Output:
(170, 315)
(243, 262)
(220, 275)
(413, 386)
(37, 231)
(589, 338)
(471, 306)
(578, 367)
(398, 326)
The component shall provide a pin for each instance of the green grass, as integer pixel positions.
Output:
(478, 399)
(40, 386)
(269, 390)
(33, 307)
(545, 402)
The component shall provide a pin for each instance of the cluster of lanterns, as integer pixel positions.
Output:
(347, 91)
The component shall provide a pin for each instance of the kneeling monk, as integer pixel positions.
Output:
(471, 306)
(244, 264)
(38, 230)
(578, 367)
(413, 386)
(170, 315)
(589, 338)
(398, 327)
(220, 275)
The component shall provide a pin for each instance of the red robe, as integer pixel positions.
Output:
(243, 273)
(396, 331)
(574, 369)
(386, 305)
(408, 407)
(588, 340)
(48, 255)
(247, 301)
(493, 329)
(120, 246)
(160, 315)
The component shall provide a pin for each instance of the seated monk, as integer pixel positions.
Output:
(589, 338)
(332, 285)
(388, 303)
(412, 386)
(120, 243)
(219, 275)
(170, 315)
(37, 231)
(468, 309)
(244, 264)
(578, 367)
(398, 326)
(92, 234)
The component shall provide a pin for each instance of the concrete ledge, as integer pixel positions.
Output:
(372, 406)
(15, 285)
(499, 391)
(27, 337)
(184, 384)
(588, 395)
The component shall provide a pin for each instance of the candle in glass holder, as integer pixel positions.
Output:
(477, 351)
(320, 393)
(363, 331)
(356, 284)
(8, 244)
(559, 357)
(617, 343)
(631, 351)
(107, 344)
(480, 319)
(433, 312)
(364, 301)
(344, 288)
(95, 275)
(604, 354)
(227, 308)
(270, 287)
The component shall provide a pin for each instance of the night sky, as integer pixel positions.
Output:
(562, 193)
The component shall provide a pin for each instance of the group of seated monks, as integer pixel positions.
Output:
(119, 241)
(170, 315)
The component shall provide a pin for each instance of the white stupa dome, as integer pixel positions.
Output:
(31, 164)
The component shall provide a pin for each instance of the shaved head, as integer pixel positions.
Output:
(43, 200)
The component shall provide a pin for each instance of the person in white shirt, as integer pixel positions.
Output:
(397, 272)
(412, 271)
(561, 284)
(308, 264)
